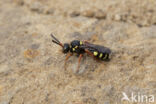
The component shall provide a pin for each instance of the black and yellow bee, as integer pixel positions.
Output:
(81, 47)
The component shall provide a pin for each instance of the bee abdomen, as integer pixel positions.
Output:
(102, 56)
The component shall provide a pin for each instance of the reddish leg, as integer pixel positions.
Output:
(67, 57)
(85, 41)
(80, 57)
(91, 54)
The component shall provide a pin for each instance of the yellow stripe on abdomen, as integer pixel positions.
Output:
(105, 56)
(95, 53)
(100, 56)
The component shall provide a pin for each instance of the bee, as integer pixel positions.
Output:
(82, 47)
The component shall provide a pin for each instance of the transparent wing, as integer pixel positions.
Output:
(94, 47)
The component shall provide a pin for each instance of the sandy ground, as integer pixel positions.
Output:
(32, 67)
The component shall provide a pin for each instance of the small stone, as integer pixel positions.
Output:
(124, 17)
(117, 17)
(49, 61)
(20, 2)
(31, 53)
(88, 13)
(35, 46)
(145, 23)
(75, 14)
(50, 11)
(37, 7)
(90, 100)
(100, 15)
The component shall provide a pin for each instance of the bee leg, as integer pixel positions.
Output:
(67, 57)
(91, 54)
(85, 41)
(80, 57)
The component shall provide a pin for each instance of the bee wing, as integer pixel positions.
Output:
(94, 47)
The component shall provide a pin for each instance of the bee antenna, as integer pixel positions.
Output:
(56, 41)
(55, 38)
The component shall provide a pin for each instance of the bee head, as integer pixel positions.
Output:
(66, 48)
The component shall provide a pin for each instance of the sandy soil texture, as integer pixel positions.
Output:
(32, 67)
